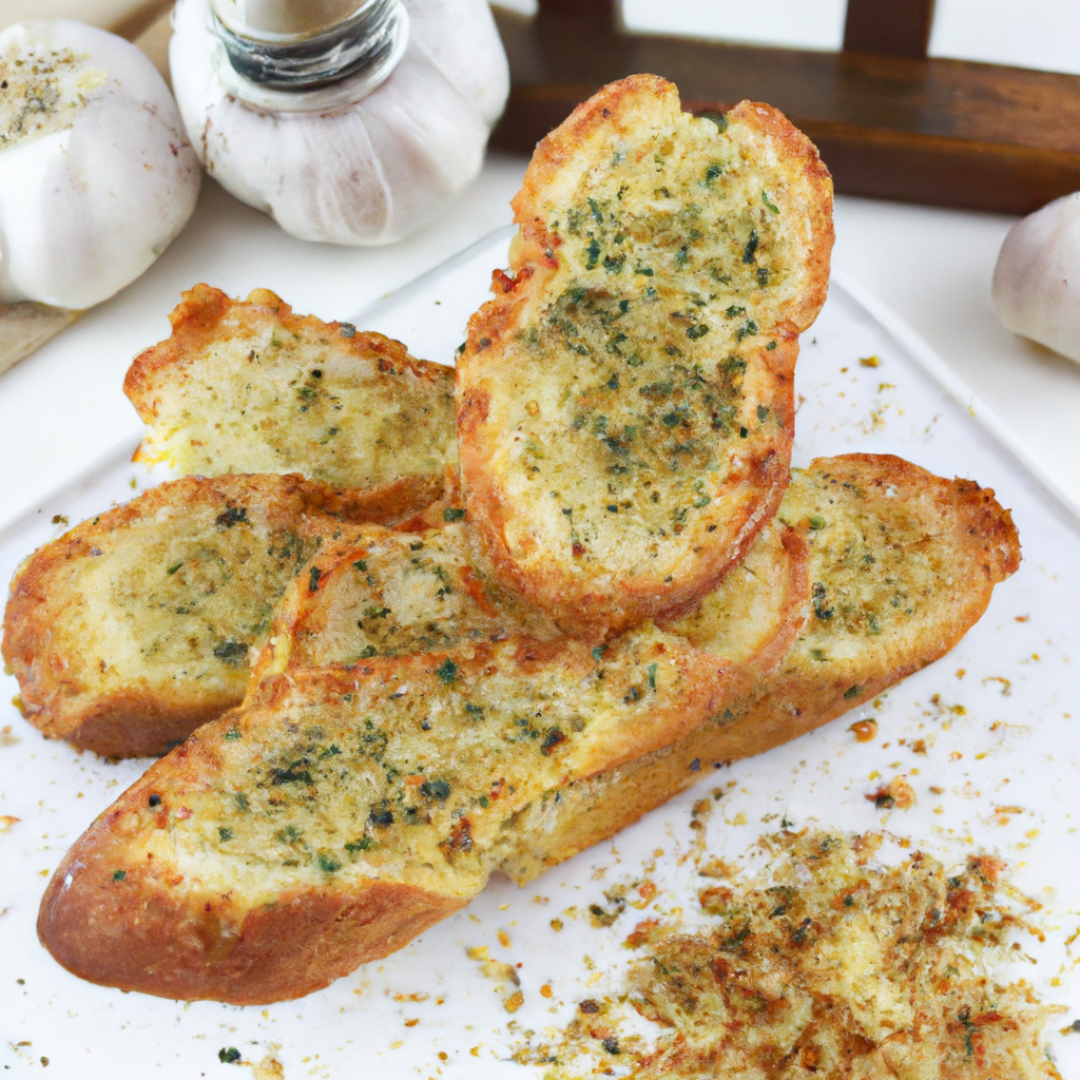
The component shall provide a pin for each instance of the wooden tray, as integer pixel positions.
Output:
(889, 122)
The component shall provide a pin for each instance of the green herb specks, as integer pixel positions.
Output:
(234, 515)
(751, 247)
(231, 652)
(435, 789)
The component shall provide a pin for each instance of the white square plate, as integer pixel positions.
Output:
(998, 716)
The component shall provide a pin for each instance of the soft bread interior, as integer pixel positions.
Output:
(249, 387)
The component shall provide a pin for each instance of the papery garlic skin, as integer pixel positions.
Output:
(1037, 278)
(96, 173)
(371, 171)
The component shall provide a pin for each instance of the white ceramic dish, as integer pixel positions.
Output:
(998, 716)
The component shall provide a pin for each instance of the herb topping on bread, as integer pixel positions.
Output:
(625, 408)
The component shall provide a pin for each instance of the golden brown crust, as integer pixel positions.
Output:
(249, 387)
(142, 933)
(394, 503)
(112, 629)
(625, 405)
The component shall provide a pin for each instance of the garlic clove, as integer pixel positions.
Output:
(1036, 286)
(96, 174)
(363, 173)
(477, 72)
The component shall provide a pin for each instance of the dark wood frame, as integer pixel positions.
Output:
(889, 121)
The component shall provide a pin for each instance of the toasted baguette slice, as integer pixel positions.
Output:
(902, 564)
(134, 628)
(625, 403)
(249, 387)
(381, 593)
(344, 810)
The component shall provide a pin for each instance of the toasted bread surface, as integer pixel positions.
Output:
(624, 404)
(338, 793)
(902, 564)
(135, 627)
(381, 593)
(341, 795)
(249, 387)
(378, 592)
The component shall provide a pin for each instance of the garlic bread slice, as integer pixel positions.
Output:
(342, 811)
(902, 564)
(249, 387)
(135, 627)
(379, 592)
(625, 410)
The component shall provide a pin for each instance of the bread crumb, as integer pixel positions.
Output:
(809, 964)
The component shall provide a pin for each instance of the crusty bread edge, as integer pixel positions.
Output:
(102, 928)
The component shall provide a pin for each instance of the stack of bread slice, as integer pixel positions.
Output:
(458, 672)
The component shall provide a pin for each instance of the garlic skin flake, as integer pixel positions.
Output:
(1037, 278)
(96, 173)
(364, 172)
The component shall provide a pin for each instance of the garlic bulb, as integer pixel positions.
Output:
(96, 173)
(1037, 277)
(348, 169)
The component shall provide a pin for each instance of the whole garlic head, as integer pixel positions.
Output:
(361, 172)
(1037, 277)
(96, 173)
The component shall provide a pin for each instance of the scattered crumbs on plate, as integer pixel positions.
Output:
(897, 794)
(842, 956)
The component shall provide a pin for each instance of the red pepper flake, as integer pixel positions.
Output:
(641, 932)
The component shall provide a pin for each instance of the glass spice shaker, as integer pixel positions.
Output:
(348, 121)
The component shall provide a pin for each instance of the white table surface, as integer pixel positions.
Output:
(62, 409)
